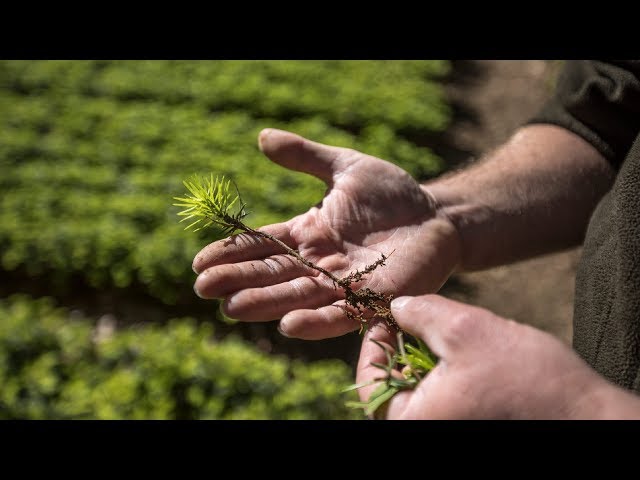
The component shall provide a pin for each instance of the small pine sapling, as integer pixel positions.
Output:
(211, 202)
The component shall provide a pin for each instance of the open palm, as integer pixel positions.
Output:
(371, 207)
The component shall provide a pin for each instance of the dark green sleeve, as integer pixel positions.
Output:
(600, 101)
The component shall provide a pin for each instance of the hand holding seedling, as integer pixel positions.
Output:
(371, 208)
(493, 212)
(489, 368)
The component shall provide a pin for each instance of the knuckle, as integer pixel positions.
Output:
(348, 152)
(459, 326)
(272, 265)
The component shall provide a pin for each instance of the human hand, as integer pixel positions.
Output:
(490, 368)
(371, 207)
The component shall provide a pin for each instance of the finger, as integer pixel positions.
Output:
(270, 303)
(324, 322)
(421, 402)
(242, 247)
(297, 153)
(221, 280)
(372, 353)
(445, 325)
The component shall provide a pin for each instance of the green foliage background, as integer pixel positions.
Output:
(55, 367)
(91, 153)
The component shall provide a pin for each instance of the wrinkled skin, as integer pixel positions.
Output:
(371, 207)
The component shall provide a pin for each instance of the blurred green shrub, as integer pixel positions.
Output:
(56, 367)
(91, 152)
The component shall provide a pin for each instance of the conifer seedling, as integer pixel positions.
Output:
(212, 202)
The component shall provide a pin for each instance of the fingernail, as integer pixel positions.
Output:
(281, 330)
(263, 135)
(195, 289)
(400, 302)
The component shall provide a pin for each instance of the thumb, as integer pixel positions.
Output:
(445, 325)
(297, 153)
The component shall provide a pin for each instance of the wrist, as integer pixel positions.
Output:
(609, 402)
(447, 214)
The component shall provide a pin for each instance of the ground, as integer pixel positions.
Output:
(492, 98)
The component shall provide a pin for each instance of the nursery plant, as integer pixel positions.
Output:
(96, 145)
(58, 364)
(216, 202)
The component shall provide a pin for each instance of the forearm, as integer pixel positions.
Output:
(532, 195)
